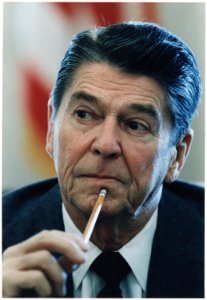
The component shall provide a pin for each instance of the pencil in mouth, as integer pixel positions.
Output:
(94, 215)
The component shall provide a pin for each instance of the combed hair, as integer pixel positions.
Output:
(142, 49)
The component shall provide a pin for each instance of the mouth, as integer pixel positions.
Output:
(95, 176)
(98, 177)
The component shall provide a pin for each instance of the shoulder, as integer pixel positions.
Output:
(31, 209)
(179, 237)
(32, 195)
(33, 190)
(185, 189)
(182, 209)
(187, 194)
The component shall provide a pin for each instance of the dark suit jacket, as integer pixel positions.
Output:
(177, 264)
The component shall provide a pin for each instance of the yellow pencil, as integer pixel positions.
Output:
(94, 215)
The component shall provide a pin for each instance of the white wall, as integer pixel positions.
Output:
(188, 21)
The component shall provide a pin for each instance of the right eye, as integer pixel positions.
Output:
(83, 114)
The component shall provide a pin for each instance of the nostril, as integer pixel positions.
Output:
(97, 152)
(113, 155)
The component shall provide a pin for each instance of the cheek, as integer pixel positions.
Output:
(141, 162)
(146, 161)
(70, 150)
(147, 168)
(67, 152)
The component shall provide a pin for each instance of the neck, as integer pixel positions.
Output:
(113, 232)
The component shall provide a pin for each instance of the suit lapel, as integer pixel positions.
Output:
(176, 265)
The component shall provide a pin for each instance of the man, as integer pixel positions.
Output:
(119, 118)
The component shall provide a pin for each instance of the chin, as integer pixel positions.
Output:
(84, 205)
(112, 206)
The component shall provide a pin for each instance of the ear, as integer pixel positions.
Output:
(50, 131)
(180, 154)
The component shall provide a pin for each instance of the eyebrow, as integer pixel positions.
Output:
(147, 109)
(81, 95)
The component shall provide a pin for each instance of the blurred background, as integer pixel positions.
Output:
(35, 38)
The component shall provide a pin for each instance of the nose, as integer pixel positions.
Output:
(107, 140)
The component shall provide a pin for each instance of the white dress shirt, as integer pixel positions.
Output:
(136, 252)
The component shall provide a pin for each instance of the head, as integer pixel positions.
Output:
(120, 115)
(138, 48)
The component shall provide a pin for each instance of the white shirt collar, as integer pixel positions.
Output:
(137, 251)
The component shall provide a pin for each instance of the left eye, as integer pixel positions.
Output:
(136, 126)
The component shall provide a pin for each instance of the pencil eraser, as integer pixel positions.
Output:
(103, 193)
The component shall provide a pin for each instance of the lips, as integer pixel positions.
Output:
(102, 172)
(101, 177)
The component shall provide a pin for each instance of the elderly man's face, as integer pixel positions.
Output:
(112, 130)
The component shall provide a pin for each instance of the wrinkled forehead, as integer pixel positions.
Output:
(109, 81)
(102, 82)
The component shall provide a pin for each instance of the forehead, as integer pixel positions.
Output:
(112, 85)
